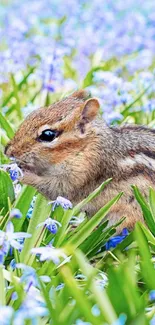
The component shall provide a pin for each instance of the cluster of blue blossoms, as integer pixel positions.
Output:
(43, 34)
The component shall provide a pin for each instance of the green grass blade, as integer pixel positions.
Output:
(81, 301)
(40, 214)
(22, 82)
(2, 287)
(87, 229)
(6, 191)
(6, 126)
(16, 95)
(22, 203)
(145, 209)
(152, 202)
(90, 197)
(101, 297)
(68, 214)
(147, 266)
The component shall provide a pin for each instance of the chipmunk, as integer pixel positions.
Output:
(67, 149)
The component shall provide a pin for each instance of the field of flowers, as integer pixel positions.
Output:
(56, 266)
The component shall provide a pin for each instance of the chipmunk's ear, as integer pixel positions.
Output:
(81, 94)
(90, 110)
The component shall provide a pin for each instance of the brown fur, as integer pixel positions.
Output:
(86, 153)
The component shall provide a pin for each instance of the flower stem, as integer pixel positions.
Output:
(2, 287)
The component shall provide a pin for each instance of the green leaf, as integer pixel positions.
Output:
(87, 229)
(145, 209)
(152, 202)
(68, 214)
(19, 86)
(90, 197)
(47, 300)
(148, 234)
(101, 297)
(90, 242)
(22, 203)
(81, 301)
(125, 112)
(122, 290)
(40, 213)
(16, 95)
(6, 191)
(147, 267)
(6, 126)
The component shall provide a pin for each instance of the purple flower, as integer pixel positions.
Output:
(51, 225)
(64, 203)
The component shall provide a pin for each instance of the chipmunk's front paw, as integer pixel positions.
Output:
(29, 178)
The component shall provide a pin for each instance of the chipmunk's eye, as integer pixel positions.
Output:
(48, 135)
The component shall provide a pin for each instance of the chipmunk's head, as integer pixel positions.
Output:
(54, 136)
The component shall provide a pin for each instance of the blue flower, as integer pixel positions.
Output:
(113, 116)
(77, 220)
(30, 210)
(152, 295)
(14, 296)
(10, 238)
(81, 322)
(13, 174)
(29, 213)
(1, 257)
(121, 320)
(95, 310)
(15, 213)
(14, 171)
(51, 225)
(114, 241)
(64, 203)
(50, 253)
(6, 313)
(31, 308)
(29, 276)
(102, 280)
(13, 264)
